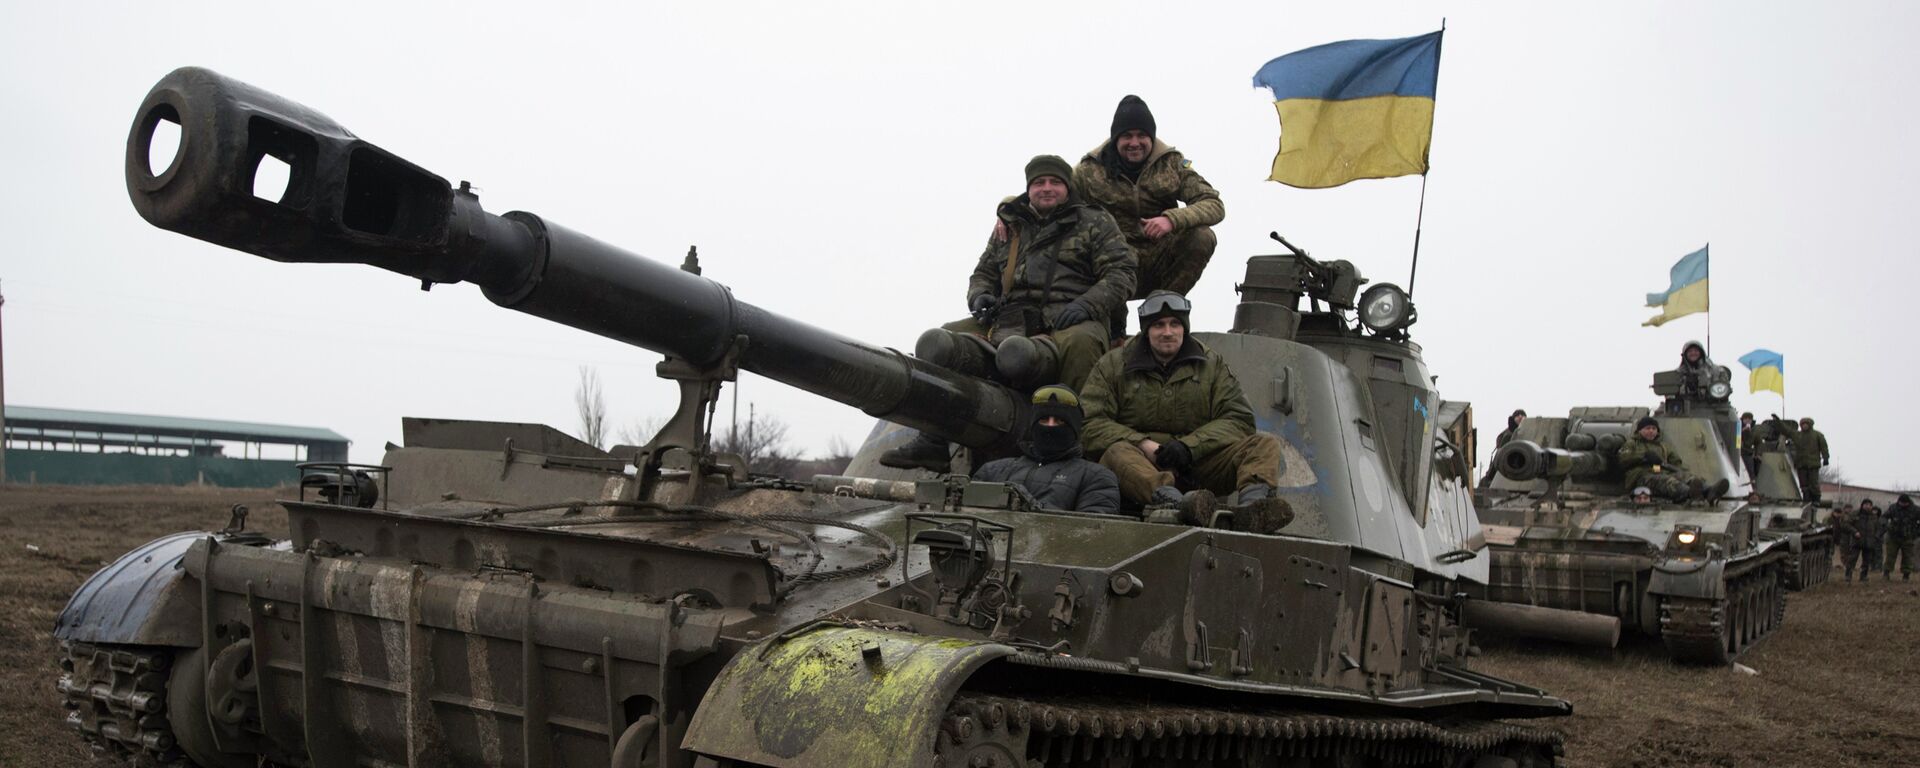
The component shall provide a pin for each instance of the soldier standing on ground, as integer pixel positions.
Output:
(1809, 455)
(1846, 532)
(1648, 462)
(1872, 528)
(1903, 537)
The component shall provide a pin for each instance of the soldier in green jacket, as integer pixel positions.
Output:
(1164, 413)
(1809, 455)
(1063, 269)
(1648, 462)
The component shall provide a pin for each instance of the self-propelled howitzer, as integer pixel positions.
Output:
(517, 597)
(1576, 557)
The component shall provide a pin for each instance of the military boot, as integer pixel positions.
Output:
(1717, 491)
(962, 352)
(1257, 510)
(924, 451)
(1696, 489)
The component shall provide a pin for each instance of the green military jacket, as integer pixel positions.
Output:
(1076, 252)
(1809, 449)
(1633, 457)
(1167, 180)
(1130, 397)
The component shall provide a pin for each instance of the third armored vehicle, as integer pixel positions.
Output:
(504, 595)
(1575, 557)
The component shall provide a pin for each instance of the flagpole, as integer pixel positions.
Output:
(1420, 218)
(1709, 312)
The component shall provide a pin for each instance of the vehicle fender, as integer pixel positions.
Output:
(145, 598)
(841, 696)
(1696, 578)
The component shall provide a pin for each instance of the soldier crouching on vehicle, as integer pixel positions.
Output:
(1648, 462)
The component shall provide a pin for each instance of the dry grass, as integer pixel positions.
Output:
(1836, 684)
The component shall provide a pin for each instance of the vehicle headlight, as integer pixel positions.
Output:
(1686, 537)
(1385, 308)
(1720, 389)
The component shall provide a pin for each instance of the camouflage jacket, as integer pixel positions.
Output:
(1167, 180)
(1075, 253)
(1843, 526)
(1130, 397)
(1809, 449)
(1871, 526)
(1639, 457)
(1903, 521)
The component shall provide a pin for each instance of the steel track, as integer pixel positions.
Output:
(993, 731)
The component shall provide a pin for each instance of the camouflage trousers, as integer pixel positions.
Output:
(1080, 345)
(1903, 552)
(1809, 482)
(1849, 557)
(1869, 560)
(1254, 459)
(1173, 262)
(1669, 485)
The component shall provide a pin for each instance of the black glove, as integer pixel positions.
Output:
(1071, 315)
(982, 307)
(1173, 455)
(1650, 458)
(1824, 461)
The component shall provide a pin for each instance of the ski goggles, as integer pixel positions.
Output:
(1164, 302)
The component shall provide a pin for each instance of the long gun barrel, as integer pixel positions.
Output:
(349, 201)
(1524, 460)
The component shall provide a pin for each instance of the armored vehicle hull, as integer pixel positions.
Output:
(500, 594)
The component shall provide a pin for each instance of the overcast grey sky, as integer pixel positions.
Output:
(839, 163)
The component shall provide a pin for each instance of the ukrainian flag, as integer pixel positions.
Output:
(1767, 371)
(1355, 109)
(1686, 294)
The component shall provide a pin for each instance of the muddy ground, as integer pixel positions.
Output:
(1834, 687)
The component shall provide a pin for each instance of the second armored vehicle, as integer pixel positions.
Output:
(1577, 557)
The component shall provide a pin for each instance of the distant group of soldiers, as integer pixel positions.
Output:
(1161, 413)
(1867, 534)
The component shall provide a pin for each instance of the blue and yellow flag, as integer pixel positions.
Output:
(1768, 371)
(1687, 292)
(1355, 109)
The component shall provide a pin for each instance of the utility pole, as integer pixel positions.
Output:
(3, 401)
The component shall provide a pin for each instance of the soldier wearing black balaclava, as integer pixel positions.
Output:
(1049, 465)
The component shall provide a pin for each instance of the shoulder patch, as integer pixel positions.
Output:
(1184, 163)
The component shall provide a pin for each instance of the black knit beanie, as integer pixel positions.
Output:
(1131, 115)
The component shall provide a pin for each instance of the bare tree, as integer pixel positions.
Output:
(641, 431)
(1832, 474)
(761, 441)
(589, 403)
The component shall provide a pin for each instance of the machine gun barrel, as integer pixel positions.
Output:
(349, 201)
(1524, 460)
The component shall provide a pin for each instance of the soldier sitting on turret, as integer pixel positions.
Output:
(1648, 462)
(1165, 413)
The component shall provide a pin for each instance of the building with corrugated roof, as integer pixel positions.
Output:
(72, 447)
